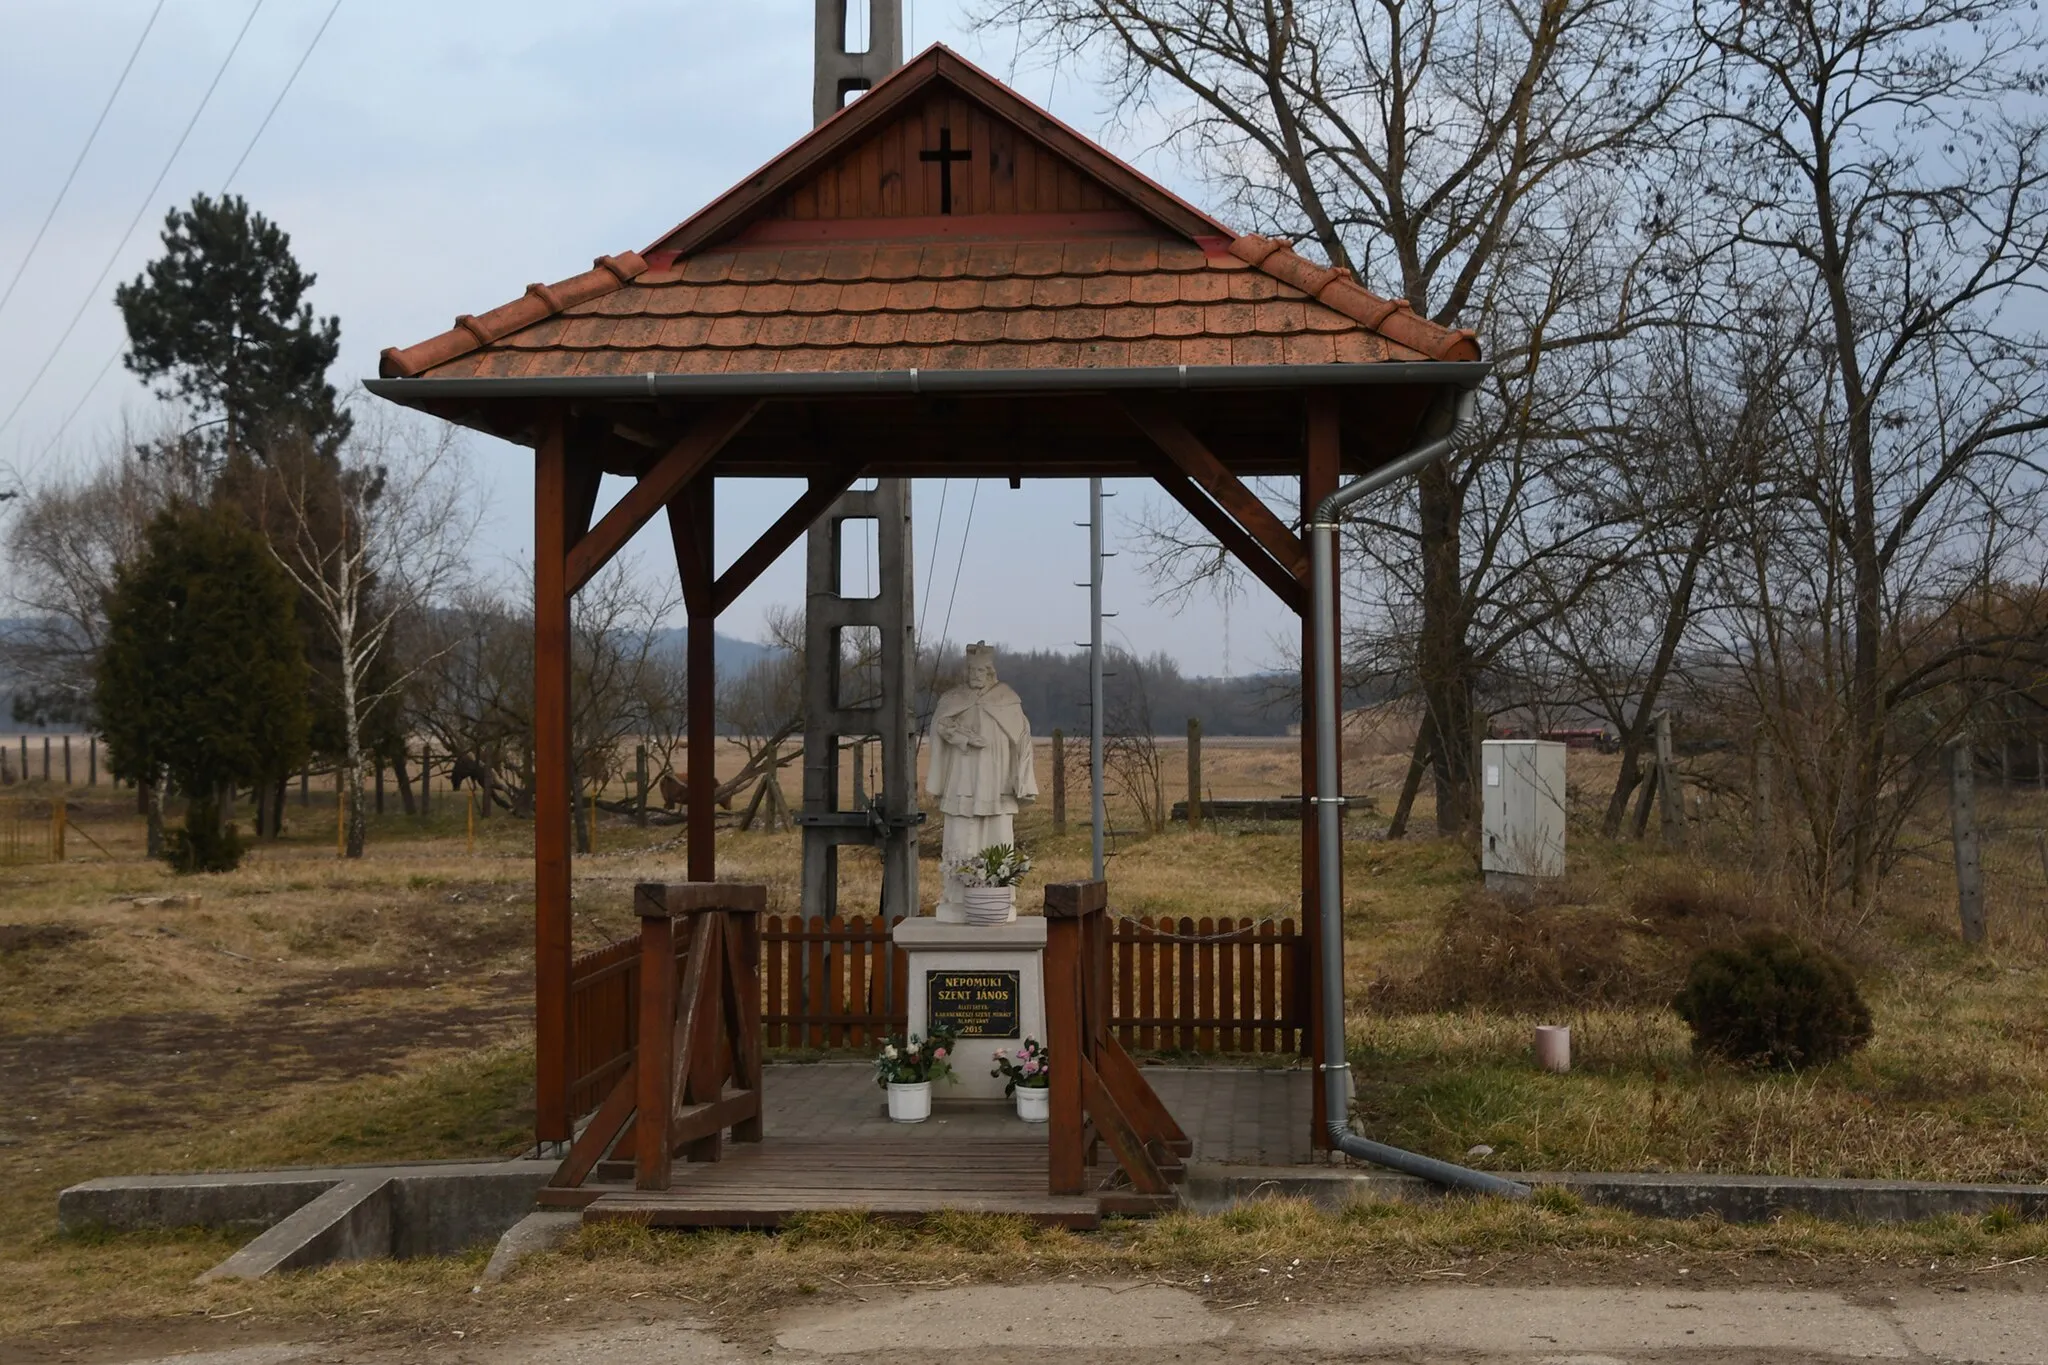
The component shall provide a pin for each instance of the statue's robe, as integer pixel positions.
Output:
(978, 789)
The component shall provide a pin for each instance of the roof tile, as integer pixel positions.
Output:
(1280, 316)
(1086, 257)
(1178, 320)
(1230, 319)
(800, 265)
(1029, 324)
(1359, 348)
(978, 327)
(1059, 291)
(868, 296)
(635, 333)
(1309, 348)
(1256, 350)
(1076, 324)
(720, 299)
(912, 296)
(1127, 322)
(831, 329)
(1254, 285)
(1009, 292)
(879, 329)
(710, 267)
(943, 260)
(1204, 286)
(1105, 354)
(958, 295)
(1155, 351)
(1180, 256)
(1134, 256)
(1205, 350)
(580, 333)
(850, 263)
(782, 329)
(896, 262)
(1104, 290)
(751, 267)
(704, 360)
(767, 298)
(928, 329)
(1155, 289)
(897, 357)
(990, 260)
(1039, 258)
(739, 330)
(822, 297)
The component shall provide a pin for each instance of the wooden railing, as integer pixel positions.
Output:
(832, 983)
(1098, 1092)
(1177, 985)
(1207, 985)
(695, 1067)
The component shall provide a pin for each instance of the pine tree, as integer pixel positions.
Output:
(220, 322)
(203, 678)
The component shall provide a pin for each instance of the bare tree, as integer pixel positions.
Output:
(372, 537)
(1499, 166)
(1885, 161)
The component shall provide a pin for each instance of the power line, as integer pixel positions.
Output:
(289, 81)
(90, 138)
(134, 222)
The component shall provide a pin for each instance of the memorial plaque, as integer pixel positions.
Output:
(970, 1004)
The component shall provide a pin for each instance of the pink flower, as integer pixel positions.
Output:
(1002, 1054)
(1030, 1068)
(938, 1054)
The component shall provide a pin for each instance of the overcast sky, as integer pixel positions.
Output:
(434, 157)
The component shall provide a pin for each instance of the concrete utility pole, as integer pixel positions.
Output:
(1097, 813)
(886, 819)
(838, 72)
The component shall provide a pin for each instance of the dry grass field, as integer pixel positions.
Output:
(307, 1009)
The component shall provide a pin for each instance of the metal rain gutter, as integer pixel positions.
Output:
(893, 383)
(1329, 802)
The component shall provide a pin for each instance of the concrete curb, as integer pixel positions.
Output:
(1211, 1188)
(318, 1215)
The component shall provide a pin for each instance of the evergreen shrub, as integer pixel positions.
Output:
(1775, 1002)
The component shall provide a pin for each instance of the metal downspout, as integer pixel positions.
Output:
(1329, 797)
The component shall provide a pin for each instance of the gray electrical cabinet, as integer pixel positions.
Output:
(1521, 811)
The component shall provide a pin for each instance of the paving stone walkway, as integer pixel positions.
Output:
(1240, 1116)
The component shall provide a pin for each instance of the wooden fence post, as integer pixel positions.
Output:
(92, 761)
(1962, 814)
(1670, 798)
(1194, 773)
(640, 785)
(46, 758)
(67, 760)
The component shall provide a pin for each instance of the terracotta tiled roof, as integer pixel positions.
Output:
(1082, 303)
(1061, 257)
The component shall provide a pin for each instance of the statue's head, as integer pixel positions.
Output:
(981, 666)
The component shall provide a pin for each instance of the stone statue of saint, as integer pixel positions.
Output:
(981, 768)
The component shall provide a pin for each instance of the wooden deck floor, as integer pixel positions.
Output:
(760, 1185)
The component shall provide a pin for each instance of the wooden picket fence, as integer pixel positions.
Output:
(1175, 985)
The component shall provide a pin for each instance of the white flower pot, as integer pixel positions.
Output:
(910, 1103)
(1034, 1105)
(989, 904)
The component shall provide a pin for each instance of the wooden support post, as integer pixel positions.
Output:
(551, 753)
(1194, 774)
(67, 760)
(1670, 795)
(1962, 814)
(1318, 480)
(1067, 1157)
(1059, 782)
(46, 758)
(655, 1062)
(92, 761)
(690, 519)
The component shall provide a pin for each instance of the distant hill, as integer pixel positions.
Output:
(732, 656)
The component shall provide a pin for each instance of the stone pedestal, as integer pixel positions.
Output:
(988, 978)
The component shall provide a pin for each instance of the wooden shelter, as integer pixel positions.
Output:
(942, 279)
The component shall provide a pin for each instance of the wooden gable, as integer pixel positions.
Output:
(989, 166)
(884, 161)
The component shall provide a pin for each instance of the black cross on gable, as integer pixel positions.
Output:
(946, 156)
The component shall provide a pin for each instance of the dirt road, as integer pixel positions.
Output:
(1137, 1324)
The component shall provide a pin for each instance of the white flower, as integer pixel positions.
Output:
(890, 1052)
(913, 1049)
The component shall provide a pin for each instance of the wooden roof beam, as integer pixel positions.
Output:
(656, 488)
(802, 514)
(1199, 463)
(1233, 537)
